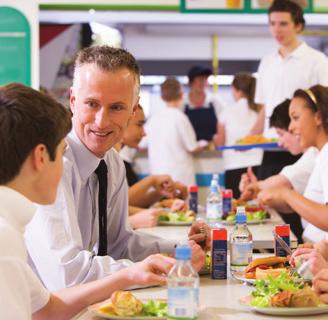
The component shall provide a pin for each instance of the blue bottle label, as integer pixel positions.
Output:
(182, 303)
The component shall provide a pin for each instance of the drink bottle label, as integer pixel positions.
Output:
(182, 303)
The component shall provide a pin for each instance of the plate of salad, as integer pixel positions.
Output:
(284, 297)
(178, 218)
(253, 217)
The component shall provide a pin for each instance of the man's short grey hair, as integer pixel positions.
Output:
(107, 59)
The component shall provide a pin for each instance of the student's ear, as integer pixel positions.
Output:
(39, 157)
(72, 99)
(318, 119)
(299, 28)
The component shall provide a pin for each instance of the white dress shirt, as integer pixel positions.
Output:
(317, 190)
(62, 238)
(171, 139)
(298, 173)
(278, 78)
(21, 292)
(238, 120)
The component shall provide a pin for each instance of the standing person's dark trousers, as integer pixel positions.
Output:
(273, 162)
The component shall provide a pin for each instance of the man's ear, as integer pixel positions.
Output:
(72, 99)
(39, 156)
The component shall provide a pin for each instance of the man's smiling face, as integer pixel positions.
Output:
(102, 103)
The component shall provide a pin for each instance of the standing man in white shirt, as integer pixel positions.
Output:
(171, 137)
(293, 66)
(80, 237)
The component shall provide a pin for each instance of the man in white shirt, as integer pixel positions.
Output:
(80, 237)
(32, 131)
(293, 66)
(171, 137)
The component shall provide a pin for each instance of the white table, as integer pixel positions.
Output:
(219, 300)
(262, 233)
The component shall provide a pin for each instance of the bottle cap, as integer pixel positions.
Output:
(241, 218)
(183, 252)
(193, 188)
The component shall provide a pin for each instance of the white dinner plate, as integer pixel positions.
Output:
(230, 223)
(275, 311)
(175, 223)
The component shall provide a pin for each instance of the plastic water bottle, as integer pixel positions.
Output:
(214, 203)
(241, 243)
(183, 286)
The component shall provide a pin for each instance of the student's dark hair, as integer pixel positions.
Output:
(171, 90)
(246, 83)
(108, 59)
(280, 116)
(290, 6)
(316, 99)
(28, 118)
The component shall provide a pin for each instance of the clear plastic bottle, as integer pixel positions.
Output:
(214, 203)
(241, 243)
(183, 287)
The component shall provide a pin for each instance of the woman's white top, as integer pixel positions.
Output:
(317, 190)
(238, 121)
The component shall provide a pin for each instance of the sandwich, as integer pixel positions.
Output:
(123, 303)
(261, 268)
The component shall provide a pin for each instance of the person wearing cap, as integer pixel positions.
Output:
(201, 108)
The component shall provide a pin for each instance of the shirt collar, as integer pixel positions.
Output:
(85, 160)
(16, 208)
(297, 53)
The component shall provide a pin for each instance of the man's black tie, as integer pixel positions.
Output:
(101, 173)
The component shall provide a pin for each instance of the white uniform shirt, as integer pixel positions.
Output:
(21, 292)
(171, 139)
(298, 173)
(238, 120)
(62, 239)
(279, 78)
(317, 190)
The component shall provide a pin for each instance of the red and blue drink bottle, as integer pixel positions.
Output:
(219, 253)
(282, 230)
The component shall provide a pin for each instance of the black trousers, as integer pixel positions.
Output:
(273, 162)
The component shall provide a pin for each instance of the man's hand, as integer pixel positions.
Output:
(200, 232)
(320, 285)
(164, 185)
(247, 178)
(181, 190)
(198, 255)
(151, 271)
(145, 218)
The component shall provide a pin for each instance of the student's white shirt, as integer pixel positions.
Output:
(278, 78)
(62, 238)
(317, 190)
(298, 173)
(238, 120)
(171, 139)
(21, 292)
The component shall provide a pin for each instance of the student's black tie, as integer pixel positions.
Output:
(101, 173)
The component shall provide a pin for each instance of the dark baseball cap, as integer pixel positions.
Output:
(196, 71)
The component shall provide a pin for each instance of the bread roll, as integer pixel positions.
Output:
(262, 274)
(126, 304)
